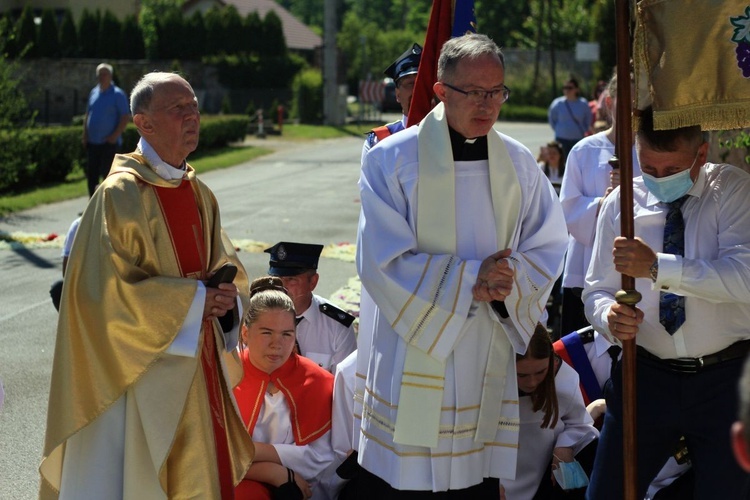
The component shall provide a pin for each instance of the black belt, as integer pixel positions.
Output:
(694, 365)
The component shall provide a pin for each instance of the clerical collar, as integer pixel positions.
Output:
(162, 168)
(468, 149)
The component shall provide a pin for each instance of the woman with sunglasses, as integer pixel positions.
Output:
(569, 116)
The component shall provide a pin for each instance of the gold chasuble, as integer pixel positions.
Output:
(127, 292)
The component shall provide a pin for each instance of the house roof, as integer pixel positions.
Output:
(297, 34)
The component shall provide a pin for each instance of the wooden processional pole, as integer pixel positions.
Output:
(628, 295)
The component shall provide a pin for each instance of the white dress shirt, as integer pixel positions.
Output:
(713, 276)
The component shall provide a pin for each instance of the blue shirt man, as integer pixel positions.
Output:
(107, 115)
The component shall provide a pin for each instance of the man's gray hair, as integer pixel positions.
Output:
(143, 92)
(469, 46)
(102, 66)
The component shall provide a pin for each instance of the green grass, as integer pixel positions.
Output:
(309, 132)
(75, 185)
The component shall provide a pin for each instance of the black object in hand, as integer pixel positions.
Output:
(225, 274)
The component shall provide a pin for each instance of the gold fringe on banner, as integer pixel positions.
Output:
(692, 62)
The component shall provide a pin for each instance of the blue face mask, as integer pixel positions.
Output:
(570, 475)
(672, 187)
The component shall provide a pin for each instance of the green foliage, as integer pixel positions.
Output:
(88, 33)
(14, 115)
(171, 34)
(273, 41)
(252, 34)
(307, 89)
(48, 155)
(604, 33)
(68, 35)
(522, 113)
(108, 36)
(152, 13)
(504, 21)
(738, 140)
(243, 71)
(197, 29)
(131, 39)
(26, 33)
(49, 45)
(379, 50)
(215, 40)
(309, 12)
(231, 23)
(226, 105)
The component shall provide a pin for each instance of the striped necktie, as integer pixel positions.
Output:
(671, 306)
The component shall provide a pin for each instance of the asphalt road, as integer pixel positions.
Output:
(303, 192)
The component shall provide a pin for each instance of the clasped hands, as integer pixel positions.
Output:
(495, 278)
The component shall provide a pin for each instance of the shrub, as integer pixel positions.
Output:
(307, 89)
(47, 155)
(522, 113)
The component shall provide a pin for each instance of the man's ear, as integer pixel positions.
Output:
(439, 90)
(314, 281)
(740, 446)
(703, 153)
(143, 124)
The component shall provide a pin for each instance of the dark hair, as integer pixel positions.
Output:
(666, 141)
(544, 396)
(266, 294)
(563, 157)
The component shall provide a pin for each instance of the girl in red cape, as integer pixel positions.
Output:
(285, 401)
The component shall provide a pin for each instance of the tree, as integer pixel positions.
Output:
(273, 41)
(68, 35)
(26, 33)
(152, 11)
(170, 31)
(15, 117)
(197, 29)
(131, 39)
(503, 21)
(49, 43)
(88, 33)
(252, 33)
(368, 50)
(108, 36)
(231, 22)
(603, 32)
(215, 41)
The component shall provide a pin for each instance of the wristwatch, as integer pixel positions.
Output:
(654, 270)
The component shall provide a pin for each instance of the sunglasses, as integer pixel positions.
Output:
(568, 87)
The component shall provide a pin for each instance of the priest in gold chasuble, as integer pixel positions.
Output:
(141, 403)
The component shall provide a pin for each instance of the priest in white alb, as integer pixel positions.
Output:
(461, 238)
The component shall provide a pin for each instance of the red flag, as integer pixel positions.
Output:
(439, 30)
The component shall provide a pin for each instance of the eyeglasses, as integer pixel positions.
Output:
(497, 96)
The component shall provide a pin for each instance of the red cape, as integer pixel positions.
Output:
(308, 389)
